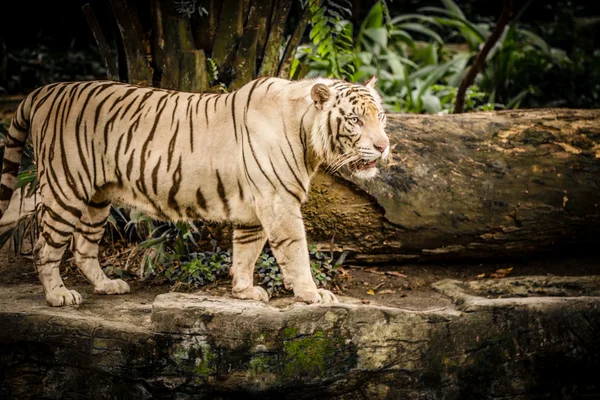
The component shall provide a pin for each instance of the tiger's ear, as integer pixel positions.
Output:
(320, 93)
(371, 82)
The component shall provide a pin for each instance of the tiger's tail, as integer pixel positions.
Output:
(13, 151)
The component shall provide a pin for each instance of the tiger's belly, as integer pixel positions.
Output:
(190, 207)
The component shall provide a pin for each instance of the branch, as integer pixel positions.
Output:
(112, 69)
(287, 60)
(503, 20)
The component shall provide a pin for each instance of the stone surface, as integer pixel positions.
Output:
(186, 346)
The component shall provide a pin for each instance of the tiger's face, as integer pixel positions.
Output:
(355, 133)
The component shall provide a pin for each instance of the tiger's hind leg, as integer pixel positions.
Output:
(87, 236)
(248, 242)
(56, 232)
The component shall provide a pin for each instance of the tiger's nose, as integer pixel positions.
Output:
(383, 147)
(380, 147)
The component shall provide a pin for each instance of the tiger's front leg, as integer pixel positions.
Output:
(283, 224)
(248, 242)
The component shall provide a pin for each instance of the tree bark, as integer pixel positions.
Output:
(493, 184)
(132, 36)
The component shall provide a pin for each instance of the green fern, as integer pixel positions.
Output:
(331, 36)
(212, 69)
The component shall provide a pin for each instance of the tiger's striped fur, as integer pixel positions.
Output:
(245, 157)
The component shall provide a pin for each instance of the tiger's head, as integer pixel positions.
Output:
(350, 126)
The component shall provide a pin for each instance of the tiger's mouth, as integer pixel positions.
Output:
(362, 165)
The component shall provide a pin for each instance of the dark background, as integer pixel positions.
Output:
(43, 42)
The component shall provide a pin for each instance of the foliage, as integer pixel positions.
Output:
(419, 69)
(331, 36)
(269, 273)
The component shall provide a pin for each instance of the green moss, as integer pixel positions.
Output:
(261, 363)
(289, 333)
(310, 356)
(205, 361)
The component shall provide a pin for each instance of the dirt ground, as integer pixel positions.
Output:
(406, 286)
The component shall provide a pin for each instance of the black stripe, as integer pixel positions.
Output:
(233, 115)
(175, 188)
(57, 217)
(246, 165)
(118, 160)
(285, 242)
(200, 200)
(155, 176)
(10, 167)
(222, 194)
(99, 204)
(300, 183)
(243, 235)
(99, 224)
(241, 190)
(191, 127)
(59, 231)
(5, 192)
(249, 240)
(133, 126)
(281, 182)
(269, 87)
(50, 242)
(303, 142)
(206, 109)
(290, 146)
(249, 228)
(171, 149)
(174, 110)
(256, 159)
(130, 165)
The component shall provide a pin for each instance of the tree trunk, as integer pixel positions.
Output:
(190, 46)
(493, 184)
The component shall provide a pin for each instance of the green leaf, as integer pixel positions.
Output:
(378, 35)
(536, 41)
(403, 36)
(431, 103)
(452, 7)
(419, 28)
(417, 17)
(516, 101)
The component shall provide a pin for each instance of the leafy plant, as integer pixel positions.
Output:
(269, 273)
(331, 37)
(205, 267)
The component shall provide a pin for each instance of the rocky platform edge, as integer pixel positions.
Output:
(188, 346)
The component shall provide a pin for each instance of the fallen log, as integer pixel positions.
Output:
(490, 184)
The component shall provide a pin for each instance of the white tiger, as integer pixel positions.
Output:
(246, 157)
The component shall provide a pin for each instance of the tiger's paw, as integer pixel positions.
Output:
(63, 297)
(251, 293)
(112, 286)
(319, 296)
